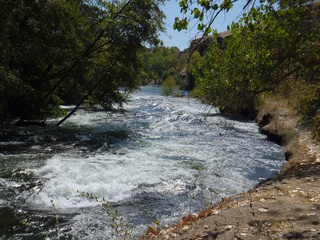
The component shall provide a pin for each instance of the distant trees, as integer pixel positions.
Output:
(71, 52)
(163, 62)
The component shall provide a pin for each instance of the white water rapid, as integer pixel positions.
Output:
(161, 159)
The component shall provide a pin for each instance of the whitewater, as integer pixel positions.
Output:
(160, 159)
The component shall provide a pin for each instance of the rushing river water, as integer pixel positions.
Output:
(161, 159)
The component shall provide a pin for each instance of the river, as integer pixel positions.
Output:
(161, 159)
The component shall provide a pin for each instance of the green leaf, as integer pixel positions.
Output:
(201, 26)
(196, 13)
(215, 7)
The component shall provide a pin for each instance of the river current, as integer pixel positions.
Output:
(161, 159)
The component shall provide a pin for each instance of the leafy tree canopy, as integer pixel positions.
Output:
(274, 49)
(56, 51)
(205, 12)
(162, 62)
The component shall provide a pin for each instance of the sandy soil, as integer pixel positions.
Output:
(285, 207)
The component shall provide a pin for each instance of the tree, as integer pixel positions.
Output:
(268, 51)
(68, 52)
(169, 86)
(163, 62)
(204, 12)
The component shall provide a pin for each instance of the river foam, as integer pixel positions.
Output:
(162, 158)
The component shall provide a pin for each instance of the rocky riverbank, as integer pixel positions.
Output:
(285, 207)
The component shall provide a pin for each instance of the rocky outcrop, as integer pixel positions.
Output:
(282, 126)
(277, 126)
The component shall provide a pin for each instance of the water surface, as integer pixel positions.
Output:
(161, 159)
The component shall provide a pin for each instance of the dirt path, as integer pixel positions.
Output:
(285, 207)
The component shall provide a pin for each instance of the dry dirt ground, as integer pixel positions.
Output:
(285, 207)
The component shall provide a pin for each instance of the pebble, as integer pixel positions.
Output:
(228, 227)
(194, 215)
(185, 227)
(311, 214)
(263, 209)
(214, 212)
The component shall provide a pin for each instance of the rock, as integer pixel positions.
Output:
(194, 215)
(7, 216)
(265, 120)
(152, 231)
(185, 227)
(272, 134)
(228, 227)
(263, 210)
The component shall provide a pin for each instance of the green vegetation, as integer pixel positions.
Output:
(117, 223)
(71, 52)
(93, 52)
(40, 229)
(170, 87)
(163, 63)
(121, 230)
(273, 51)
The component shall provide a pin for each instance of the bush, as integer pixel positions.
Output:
(170, 87)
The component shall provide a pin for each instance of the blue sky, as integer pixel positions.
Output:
(182, 39)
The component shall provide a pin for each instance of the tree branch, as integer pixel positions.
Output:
(85, 55)
(89, 93)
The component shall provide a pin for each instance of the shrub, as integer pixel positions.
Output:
(170, 87)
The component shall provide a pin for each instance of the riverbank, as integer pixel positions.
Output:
(284, 207)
